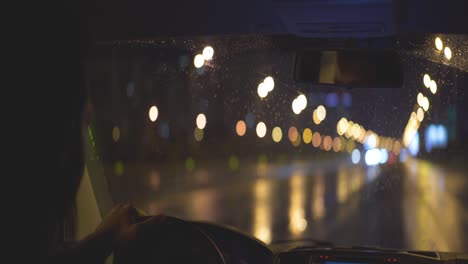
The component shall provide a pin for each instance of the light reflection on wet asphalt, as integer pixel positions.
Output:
(416, 205)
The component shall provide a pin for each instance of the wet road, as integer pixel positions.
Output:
(414, 205)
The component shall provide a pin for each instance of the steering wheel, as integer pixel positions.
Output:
(172, 241)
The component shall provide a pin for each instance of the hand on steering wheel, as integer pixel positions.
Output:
(120, 226)
(166, 240)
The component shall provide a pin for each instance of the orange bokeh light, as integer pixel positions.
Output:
(241, 128)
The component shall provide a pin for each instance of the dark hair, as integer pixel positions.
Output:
(50, 89)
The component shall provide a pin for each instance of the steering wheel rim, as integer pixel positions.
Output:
(172, 241)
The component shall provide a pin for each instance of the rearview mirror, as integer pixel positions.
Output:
(349, 68)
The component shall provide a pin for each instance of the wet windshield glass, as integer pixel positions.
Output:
(215, 128)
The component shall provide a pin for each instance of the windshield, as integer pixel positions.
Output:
(216, 129)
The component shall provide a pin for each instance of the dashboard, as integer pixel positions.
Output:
(179, 241)
(238, 247)
(362, 255)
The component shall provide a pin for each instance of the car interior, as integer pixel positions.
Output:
(342, 44)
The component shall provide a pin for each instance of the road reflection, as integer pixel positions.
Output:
(342, 186)
(318, 199)
(415, 206)
(204, 204)
(350, 180)
(432, 215)
(297, 221)
(262, 210)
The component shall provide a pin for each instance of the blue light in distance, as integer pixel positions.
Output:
(435, 137)
(403, 155)
(356, 156)
(413, 147)
(331, 100)
(347, 99)
(383, 156)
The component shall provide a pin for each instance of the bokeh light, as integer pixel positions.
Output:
(198, 134)
(383, 156)
(321, 113)
(372, 157)
(356, 131)
(356, 156)
(403, 155)
(420, 99)
(302, 101)
(362, 137)
(153, 113)
(277, 134)
(293, 134)
(435, 136)
(438, 44)
(241, 128)
(198, 61)
(299, 104)
(342, 126)
(116, 134)
(343, 144)
(262, 90)
(425, 104)
(349, 131)
(388, 144)
(201, 121)
(307, 135)
(350, 145)
(396, 147)
(433, 86)
(420, 114)
(315, 117)
(208, 53)
(327, 143)
(410, 129)
(269, 83)
(261, 129)
(296, 107)
(371, 141)
(413, 146)
(316, 139)
(427, 80)
(448, 53)
(337, 144)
